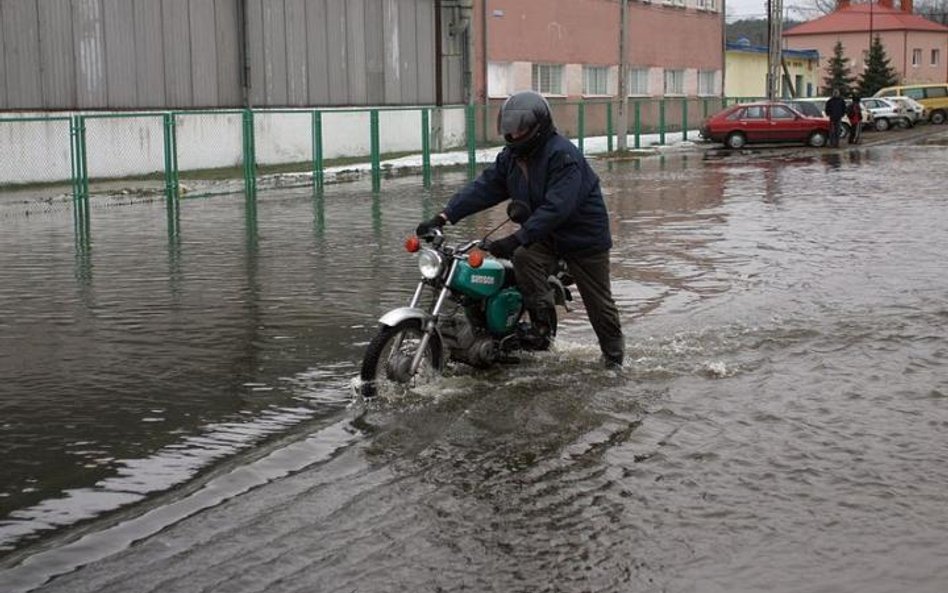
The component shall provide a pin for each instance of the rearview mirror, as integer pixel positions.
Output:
(518, 211)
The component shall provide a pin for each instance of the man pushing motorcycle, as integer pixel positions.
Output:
(568, 220)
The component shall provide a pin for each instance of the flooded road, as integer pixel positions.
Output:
(178, 415)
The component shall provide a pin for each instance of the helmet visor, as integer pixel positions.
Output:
(516, 122)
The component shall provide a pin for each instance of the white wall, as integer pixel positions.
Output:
(39, 151)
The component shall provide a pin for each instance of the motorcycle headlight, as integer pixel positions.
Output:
(429, 264)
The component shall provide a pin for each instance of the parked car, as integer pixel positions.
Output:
(764, 121)
(934, 97)
(913, 109)
(820, 103)
(808, 108)
(885, 113)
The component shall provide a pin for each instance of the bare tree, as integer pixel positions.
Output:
(808, 10)
(933, 10)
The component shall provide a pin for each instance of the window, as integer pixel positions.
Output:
(548, 79)
(711, 5)
(638, 81)
(498, 79)
(916, 58)
(674, 82)
(781, 112)
(935, 92)
(755, 112)
(595, 80)
(706, 84)
(936, 57)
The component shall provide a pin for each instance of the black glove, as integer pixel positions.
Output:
(505, 247)
(427, 226)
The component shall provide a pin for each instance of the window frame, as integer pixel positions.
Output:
(678, 82)
(536, 78)
(599, 71)
(712, 90)
(637, 75)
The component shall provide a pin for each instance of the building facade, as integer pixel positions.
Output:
(916, 47)
(746, 67)
(570, 48)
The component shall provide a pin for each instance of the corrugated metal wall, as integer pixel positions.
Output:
(174, 54)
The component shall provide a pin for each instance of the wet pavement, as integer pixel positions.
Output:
(178, 412)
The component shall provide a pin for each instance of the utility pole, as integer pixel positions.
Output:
(623, 73)
(774, 43)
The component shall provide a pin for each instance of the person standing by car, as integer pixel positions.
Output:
(568, 219)
(835, 109)
(855, 120)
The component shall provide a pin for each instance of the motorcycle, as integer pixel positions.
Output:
(475, 313)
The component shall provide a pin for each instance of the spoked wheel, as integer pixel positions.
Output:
(386, 368)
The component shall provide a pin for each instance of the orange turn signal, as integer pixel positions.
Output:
(412, 244)
(475, 258)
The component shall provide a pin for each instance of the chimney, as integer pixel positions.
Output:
(886, 3)
(907, 6)
(841, 4)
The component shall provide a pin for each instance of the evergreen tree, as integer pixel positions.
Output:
(878, 72)
(838, 73)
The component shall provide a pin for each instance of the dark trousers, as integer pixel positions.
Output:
(835, 127)
(534, 264)
(854, 131)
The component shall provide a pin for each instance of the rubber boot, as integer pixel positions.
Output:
(613, 354)
(538, 335)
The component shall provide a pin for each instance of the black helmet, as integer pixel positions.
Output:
(525, 121)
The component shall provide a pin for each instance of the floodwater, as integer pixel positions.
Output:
(178, 412)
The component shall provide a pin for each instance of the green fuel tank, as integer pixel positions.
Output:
(482, 282)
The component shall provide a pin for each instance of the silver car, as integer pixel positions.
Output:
(913, 109)
(885, 113)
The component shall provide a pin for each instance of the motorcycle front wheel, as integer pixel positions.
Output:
(386, 367)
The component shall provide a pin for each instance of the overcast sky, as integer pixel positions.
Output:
(757, 9)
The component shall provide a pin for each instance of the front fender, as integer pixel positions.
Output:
(396, 316)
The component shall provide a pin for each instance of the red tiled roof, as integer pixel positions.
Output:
(856, 17)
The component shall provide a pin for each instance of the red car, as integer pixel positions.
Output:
(764, 121)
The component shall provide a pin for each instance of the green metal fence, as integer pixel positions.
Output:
(234, 151)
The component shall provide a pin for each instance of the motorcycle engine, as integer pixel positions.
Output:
(475, 349)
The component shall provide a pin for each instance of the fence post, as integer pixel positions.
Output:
(470, 123)
(661, 121)
(609, 126)
(80, 168)
(172, 195)
(425, 149)
(582, 125)
(74, 158)
(376, 150)
(318, 174)
(638, 124)
(684, 118)
(250, 158)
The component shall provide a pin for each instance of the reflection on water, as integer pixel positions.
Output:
(778, 426)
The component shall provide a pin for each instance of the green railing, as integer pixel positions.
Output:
(188, 137)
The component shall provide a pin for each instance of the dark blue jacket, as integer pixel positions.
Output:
(835, 108)
(561, 189)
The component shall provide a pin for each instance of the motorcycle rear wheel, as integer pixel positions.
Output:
(385, 367)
